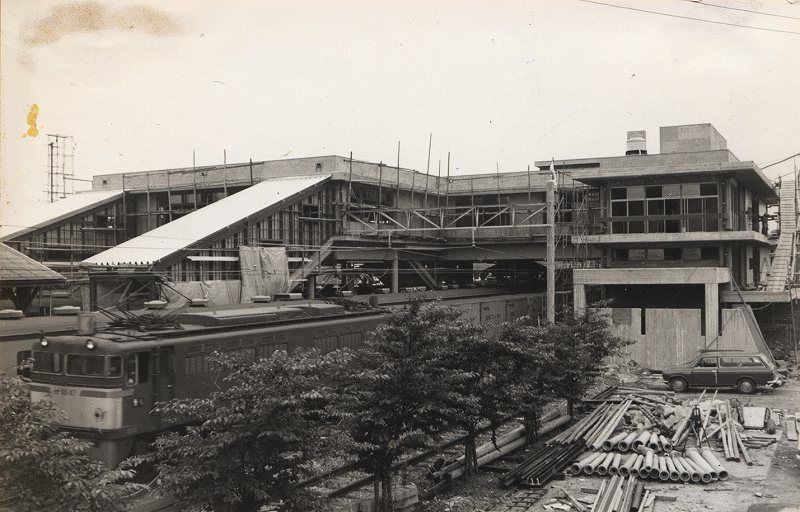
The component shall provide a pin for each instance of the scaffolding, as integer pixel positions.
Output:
(577, 206)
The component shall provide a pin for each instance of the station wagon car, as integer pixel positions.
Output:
(724, 369)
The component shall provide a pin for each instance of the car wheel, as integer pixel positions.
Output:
(746, 386)
(678, 384)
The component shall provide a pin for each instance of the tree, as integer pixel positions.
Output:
(531, 364)
(44, 469)
(250, 442)
(580, 344)
(404, 390)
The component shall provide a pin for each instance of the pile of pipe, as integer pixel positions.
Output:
(721, 422)
(695, 466)
(622, 494)
(595, 428)
(503, 446)
(544, 464)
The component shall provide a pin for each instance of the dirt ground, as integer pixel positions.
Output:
(774, 478)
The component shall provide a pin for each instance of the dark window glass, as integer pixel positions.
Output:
(636, 227)
(710, 204)
(130, 369)
(655, 207)
(619, 209)
(709, 253)
(707, 362)
(46, 362)
(114, 366)
(655, 254)
(635, 208)
(637, 255)
(619, 193)
(672, 226)
(691, 253)
(712, 225)
(620, 255)
(652, 191)
(86, 365)
(752, 362)
(694, 224)
(729, 362)
(708, 189)
(144, 366)
(672, 207)
(655, 226)
(694, 206)
(672, 253)
(619, 227)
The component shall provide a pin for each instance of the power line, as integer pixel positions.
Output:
(740, 9)
(781, 161)
(690, 17)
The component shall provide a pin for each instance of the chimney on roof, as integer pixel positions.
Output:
(637, 143)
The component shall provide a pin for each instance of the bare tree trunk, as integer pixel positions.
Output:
(386, 488)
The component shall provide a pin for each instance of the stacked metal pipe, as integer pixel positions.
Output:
(620, 494)
(596, 428)
(544, 464)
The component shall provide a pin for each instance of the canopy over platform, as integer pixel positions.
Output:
(16, 269)
(202, 225)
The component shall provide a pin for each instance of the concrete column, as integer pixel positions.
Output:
(579, 294)
(311, 283)
(712, 312)
(551, 252)
(395, 273)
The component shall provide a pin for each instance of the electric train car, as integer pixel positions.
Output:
(107, 381)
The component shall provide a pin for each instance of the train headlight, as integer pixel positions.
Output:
(90, 344)
(44, 342)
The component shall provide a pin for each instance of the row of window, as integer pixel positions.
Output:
(137, 367)
(698, 199)
(675, 190)
(731, 362)
(667, 254)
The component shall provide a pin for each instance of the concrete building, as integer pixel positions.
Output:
(681, 232)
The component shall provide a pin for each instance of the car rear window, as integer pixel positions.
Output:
(741, 362)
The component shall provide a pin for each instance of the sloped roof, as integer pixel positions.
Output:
(40, 215)
(163, 241)
(17, 269)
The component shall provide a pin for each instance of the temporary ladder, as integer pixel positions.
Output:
(783, 254)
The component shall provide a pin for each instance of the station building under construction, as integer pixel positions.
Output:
(679, 242)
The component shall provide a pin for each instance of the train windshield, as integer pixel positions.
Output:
(86, 365)
(46, 362)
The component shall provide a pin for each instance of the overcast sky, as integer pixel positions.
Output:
(141, 85)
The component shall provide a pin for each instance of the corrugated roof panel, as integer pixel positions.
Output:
(157, 244)
(39, 215)
(17, 269)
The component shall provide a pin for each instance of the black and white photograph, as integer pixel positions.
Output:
(399, 256)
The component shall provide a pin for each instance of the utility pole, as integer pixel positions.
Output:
(551, 252)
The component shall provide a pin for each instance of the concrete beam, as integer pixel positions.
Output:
(696, 275)
(676, 238)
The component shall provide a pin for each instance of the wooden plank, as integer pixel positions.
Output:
(791, 428)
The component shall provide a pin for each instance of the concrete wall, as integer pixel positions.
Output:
(672, 336)
(691, 138)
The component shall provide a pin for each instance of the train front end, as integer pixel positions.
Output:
(98, 386)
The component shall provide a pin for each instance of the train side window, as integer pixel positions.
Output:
(131, 369)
